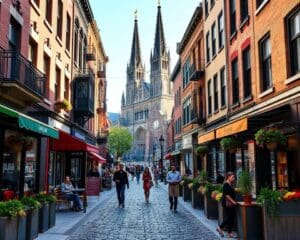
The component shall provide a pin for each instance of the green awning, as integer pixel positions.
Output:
(30, 123)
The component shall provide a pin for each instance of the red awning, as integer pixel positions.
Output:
(97, 157)
(168, 156)
(66, 142)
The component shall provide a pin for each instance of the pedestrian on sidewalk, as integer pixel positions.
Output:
(173, 178)
(147, 183)
(138, 173)
(121, 179)
(156, 176)
(229, 203)
(67, 188)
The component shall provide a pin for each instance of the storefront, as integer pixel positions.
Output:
(21, 159)
(187, 154)
(70, 156)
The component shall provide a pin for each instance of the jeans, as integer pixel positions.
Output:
(74, 197)
(138, 178)
(173, 202)
(121, 194)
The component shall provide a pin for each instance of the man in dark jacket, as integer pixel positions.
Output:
(121, 179)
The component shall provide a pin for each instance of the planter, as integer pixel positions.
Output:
(247, 199)
(186, 192)
(44, 218)
(52, 214)
(232, 150)
(32, 224)
(8, 228)
(222, 216)
(180, 190)
(249, 221)
(271, 146)
(197, 199)
(210, 207)
(21, 227)
(285, 225)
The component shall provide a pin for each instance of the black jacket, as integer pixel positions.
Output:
(122, 177)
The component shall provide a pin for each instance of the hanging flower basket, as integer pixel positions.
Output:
(201, 149)
(231, 144)
(63, 104)
(269, 138)
(18, 142)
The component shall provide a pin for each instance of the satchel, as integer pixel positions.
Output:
(151, 183)
(228, 203)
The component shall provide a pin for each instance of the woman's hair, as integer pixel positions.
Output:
(229, 174)
(147, 169)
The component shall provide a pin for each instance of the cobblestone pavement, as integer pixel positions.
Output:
(139, 220)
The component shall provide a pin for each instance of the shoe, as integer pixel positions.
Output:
(175, 211)
(232, 235)
(171, 206)
(219, 230)
(123, 205)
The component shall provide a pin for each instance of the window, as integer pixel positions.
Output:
(49, 11)
(186, 73)
(259, 2)
(47, 63)
(76, 46)
(67, 88)
(216, 93)
(265, 61)
(244, 10)
(59, 21)
(232, 17)
(14, 35)
(235, 81)
(223, 87)
(68, 32)
(213, 40)
(32, 52)
(212, 3)
(37, 2)
(207, 48)
(206, 8)
(57, 84)
(187, 111)
(209, 106)
(247, 72)
(221, 30)
(294, 41)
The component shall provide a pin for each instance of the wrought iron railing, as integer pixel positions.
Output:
(15, 68)
(196, 70)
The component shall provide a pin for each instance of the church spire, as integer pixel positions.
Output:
(135, 58)
(123, 100)
(159, 42)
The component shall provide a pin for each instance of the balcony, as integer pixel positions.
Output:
(197, 70)
(83, 96)
(102, 136)
(90, 53)
(21, 82)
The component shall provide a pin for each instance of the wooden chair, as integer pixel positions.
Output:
(61, 199)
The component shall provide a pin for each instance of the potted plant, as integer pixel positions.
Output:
(210, 204)
(201, 149)
(63, 104)
(32, 217)
(43, 212)
(19, 141)
(231, 144)
(269, 138)
(245, 186)
(196, 197)
(10, 227)
(186, 191)
(52, 209)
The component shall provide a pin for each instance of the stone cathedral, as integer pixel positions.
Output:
(147, 106)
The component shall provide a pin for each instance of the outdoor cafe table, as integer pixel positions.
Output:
(81, 190)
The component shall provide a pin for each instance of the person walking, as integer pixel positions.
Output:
(229, 203)
(147, 183)
(138, 173)
(156, 176)
(121, 179)
(173, 178)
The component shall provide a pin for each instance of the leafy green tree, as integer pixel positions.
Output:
(119, 141)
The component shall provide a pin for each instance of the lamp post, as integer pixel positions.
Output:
(161, 141)
(154, 149)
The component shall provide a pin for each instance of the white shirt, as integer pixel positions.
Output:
(173, 177)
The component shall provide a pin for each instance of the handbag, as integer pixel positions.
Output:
(228, 203)
(151, 183)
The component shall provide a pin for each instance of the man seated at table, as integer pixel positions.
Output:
(67, 188)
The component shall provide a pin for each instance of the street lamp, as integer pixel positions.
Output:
(154, 149)
(161, 141)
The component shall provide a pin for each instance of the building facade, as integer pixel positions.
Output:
(147, 106)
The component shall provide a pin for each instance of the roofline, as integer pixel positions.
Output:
(175, 70)
(197, 16)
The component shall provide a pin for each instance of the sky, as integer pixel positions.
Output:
(115, 19)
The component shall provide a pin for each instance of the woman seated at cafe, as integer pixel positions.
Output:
(68, 189)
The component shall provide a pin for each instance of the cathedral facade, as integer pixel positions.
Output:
(147, 105)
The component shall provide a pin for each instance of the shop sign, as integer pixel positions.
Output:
(187, 142)
(206, 137)
(79, 135)
(232, 128)
(59, 125)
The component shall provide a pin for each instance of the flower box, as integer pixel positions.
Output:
(210, 207)
(8, 228)
(22, 227)
(44, 218)
(269, 138)
(186, 192)
(197, 199)
(32, 224)
(52, 214)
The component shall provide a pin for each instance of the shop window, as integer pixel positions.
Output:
(31, 168)
(235, 81)
(294, 41)
(212, 164)
(247, 72)
(188, 161)
(76, 167)
(265, 62)
(221, 30)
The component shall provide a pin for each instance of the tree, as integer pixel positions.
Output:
(119, 140)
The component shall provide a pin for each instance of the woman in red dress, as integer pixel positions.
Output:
(147, 183)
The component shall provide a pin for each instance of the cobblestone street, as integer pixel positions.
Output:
(139, 220)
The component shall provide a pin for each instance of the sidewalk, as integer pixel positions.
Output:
(67, 221)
